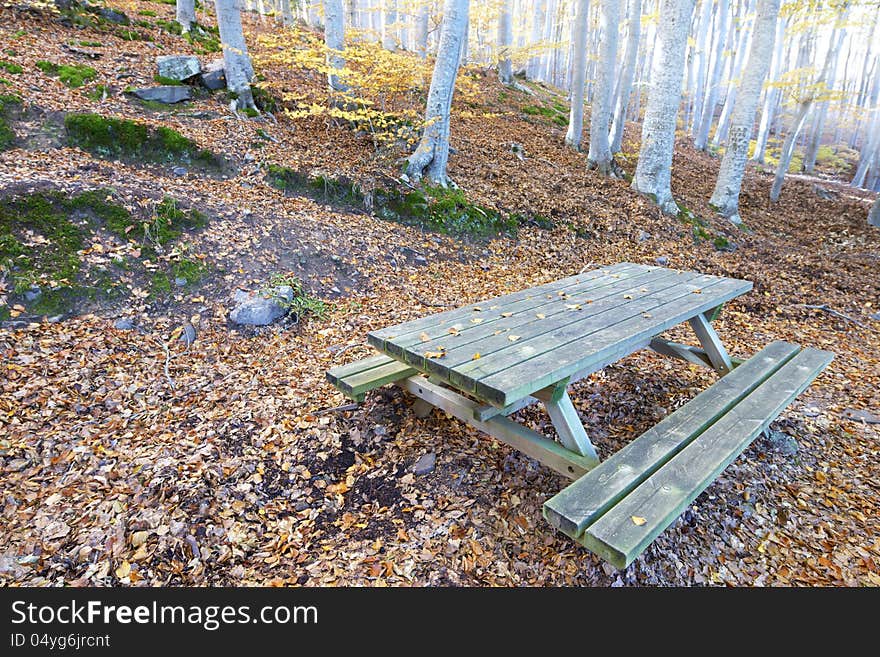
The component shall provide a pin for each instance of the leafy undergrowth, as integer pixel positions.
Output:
(242, 473)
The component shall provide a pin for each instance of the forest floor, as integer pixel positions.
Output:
(126, 459)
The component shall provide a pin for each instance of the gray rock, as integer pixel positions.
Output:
(420, 260)
(180, 282)
(782, 442)
(178, 67)
(425, 464)
(33, 294)
(260, 310)
(179, 171)
(213, 76)
(861, 416)
(876, 316)
(644, 236)
(662, 261)
(124, 324)
(113, 16)
(166, 93)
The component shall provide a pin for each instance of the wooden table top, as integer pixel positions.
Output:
(505, 348)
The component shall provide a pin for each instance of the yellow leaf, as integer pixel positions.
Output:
(123, 570)
(176, 333)
(506, 314)
(647, 315)
(540, 315)
(697, 291)
(453, 330)
(573, 306)
(476, 356)
(627, 296)
(513, 338)
(424, 337)
(638, 520)
(476, 320)
(477, 309)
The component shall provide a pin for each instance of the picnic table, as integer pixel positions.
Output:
(482, 362)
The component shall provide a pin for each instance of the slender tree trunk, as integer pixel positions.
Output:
(700, 62)
(186, 14)
(624, 88)
(422, 21)
(654, 169)
(771, 94)
(599, 156)
(236, 61)
(389, 25)
(430, 157)
(578, 75)
(815, 138)
(505, 40)
(701, 139)
(539, 15)
(334, 39)
(286, 13)
(725, 198)
(742, 47)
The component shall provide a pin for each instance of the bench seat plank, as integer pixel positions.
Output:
(357, 378)
(581, 503)
(662, 497)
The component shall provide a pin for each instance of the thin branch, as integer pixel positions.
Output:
(831, 311)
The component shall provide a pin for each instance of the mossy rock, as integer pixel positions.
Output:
(114, 138)
(72, 75)
(9, 103)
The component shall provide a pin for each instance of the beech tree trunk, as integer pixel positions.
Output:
(874, 214)
(389, 25)
(505, 40)
(186, 14)
(624, 87)
(771, 96)
(578, 75)
(654, 170)
(701, 138)
(334, 39)
(236, 61)
(725, 198)
(286, 13)
(430, 157)
(599, 156)
(422, 21)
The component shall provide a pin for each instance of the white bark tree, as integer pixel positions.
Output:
(186, 14)
(872, 138)
(578, 74)
(813, 92)
(771, 95)
(627, 74)
(286, 13)
(699, 63)
(701, 137)
(742, 47)
(599, 156)
(422, 23)
(236, 61)
(654, 169)
(389, 25)
(334, 39)
(430, 157)
(725, 198)
(874, 214)
(505, 41)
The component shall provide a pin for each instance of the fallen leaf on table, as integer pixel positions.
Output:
(506, 314)
(513, 338)
(638, 520)
(627, 296)
(453, 330)
(476, 356)
(424, 337)
(476, 320)
(540, 315)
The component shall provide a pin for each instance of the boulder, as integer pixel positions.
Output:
(213, 76)
(113, 16)
(166, 93)
(425, 464)
(261, 309)
(178, 67)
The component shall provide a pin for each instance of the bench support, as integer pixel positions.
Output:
(531, 443)
(566, 421)
(712, 344)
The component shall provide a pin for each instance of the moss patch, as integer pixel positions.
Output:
(72, 75)
(555, 113)
(123, 139)
(10, 67)
(8, 102)
(339, 192)
(169, 222)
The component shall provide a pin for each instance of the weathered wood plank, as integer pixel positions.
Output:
(569, 426)
(362, 365)
(529, 442)
(711, 343)
(355, 385)
(581, 503)
(378, 337)
(494, 337)
(485, 411)
(685, 352)
(499, 314)
(575, 347)
(662, 497)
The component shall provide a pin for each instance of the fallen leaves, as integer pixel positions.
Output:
(638, 520)
(513, 338)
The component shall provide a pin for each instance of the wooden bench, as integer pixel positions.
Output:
(618, 508)
(356, 378)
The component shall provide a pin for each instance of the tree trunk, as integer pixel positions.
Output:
(286, 13)
(654, 170)
(700, 62)
(538, 17)
(874, 214)
(186, 14)
(429, 158)
(578, 75)
(725, 198)
(422, 21)
(599, 156)
(788, 147)
(389, 25)
(334, 39)
(815, 140)
(872, 138)
(505, 40)
(624, 88)
(236, 61)
(701, 139)
(742, 47)
(771, 95)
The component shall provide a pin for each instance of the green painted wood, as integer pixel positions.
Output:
(334, 374)
(495, 337)
(354, 385)
(662, 497)
(484, 412)
(685, 352)
(568, 426)
(534, 366)
(464, 312)
(501, 314)
(711, 343)
(584, 501)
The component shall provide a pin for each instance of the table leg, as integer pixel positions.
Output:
(566, 421)
(712, 344)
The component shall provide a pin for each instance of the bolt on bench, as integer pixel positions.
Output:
(482, 362)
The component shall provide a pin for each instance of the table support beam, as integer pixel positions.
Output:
(712, 344)
(529, 442)
(567, 423)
